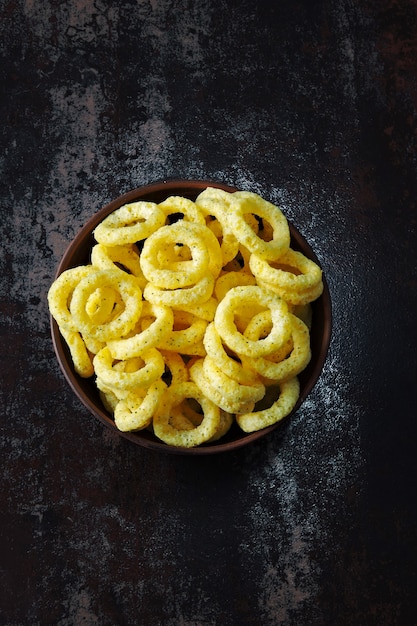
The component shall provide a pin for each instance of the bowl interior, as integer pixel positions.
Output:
(78, 253)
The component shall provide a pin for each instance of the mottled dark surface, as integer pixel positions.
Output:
(313, 105)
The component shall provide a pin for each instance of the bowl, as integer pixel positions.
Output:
(78, 253)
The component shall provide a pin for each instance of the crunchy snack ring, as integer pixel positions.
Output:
(60, 293)
(101, 304)
(81, 358)
(244, 203)
(153, 367)
(231, 279)
(230, 388)
(226, 403)
(214, 203)
(196, 294)
(175, 367)
(175, 205)
(158, 321)
(229, 245)
(122, 258)
(294, 297)
(129, 224)
(135, 411)
(289, 392)
(188, 331)
(178, 274)
(128, 288)
(230, 366)
(174, 397)
(294, 277)
(293, 363)
(205, 310)
(242, 297)
(258, 328)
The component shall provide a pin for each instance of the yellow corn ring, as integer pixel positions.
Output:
(196, 294)
(227, 404)
(159, 323)
(291, 365)
(189, 211)
(227, 281)
(175, 396)
(81, 359)
(254, 421)
(294, 297)
(226, 421)
(175, 367)
(230, 388)
(122, 258)
(181, 273)
(293, 271)
(247, 203)
(239, 297)
(214, 203)
(205, 310)
(60, 293)
(153, 367)
(258, 328)
(216, 350)
(187, 330)
(103, 305)
(135, 412)
(130, 292)
(130, 223)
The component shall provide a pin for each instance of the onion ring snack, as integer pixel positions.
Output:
(192, 318)
(159, 321)
(278, 368)
(83, 364)
(175, 396)
(198, 293)
(136, 411)
(129, 291)
(294, 277)
(175, 205)
(215, 394)
(244, 296)
(244, 203)
(150, 370)
(256, 420)
(232, 367)
(129, 224)
(175, 274)
(60, 293)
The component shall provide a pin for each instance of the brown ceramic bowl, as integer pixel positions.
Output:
(78, 253)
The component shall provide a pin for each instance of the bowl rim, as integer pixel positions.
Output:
(164, 186)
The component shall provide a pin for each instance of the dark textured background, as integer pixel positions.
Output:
(312, 104)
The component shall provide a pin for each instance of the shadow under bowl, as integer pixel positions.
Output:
(78, 253)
